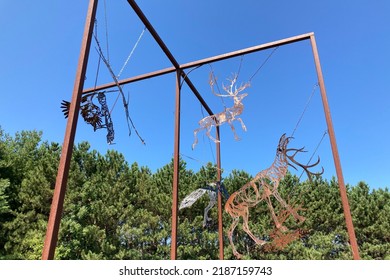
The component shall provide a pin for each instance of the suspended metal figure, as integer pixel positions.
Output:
(92, 114)
(228, 115)
(262, 187)
(212, 191)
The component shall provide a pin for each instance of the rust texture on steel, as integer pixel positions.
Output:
(336, 157)
(219, 179)
(67, 148)
(228, 115)
(263, 187)
(176, 167)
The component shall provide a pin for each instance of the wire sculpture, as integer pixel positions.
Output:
(93, 114)
(212, 191)
(262, 187)
(229, 114)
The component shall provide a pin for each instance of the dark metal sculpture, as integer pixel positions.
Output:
(93, 114)
(261, 188)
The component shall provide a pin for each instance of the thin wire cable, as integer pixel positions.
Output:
(239, 67)
(106, 23)
(261, 66)
(131, 52)
(315, 150)
(125, 104)
(213, 81)
(305, 108)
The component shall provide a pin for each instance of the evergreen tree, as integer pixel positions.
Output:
(114, 210)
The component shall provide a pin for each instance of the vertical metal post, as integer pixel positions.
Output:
(67, 147)
(336, 158)
(176, 169)
(220, 208)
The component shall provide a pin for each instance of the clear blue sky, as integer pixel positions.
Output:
(40, 43)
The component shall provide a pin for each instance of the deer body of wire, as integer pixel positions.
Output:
(228, 115)
(261, 188)
(212, 191)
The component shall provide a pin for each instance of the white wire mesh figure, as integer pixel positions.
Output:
(212, 191)
(228, 115)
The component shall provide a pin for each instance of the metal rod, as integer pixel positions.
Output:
(220, 207)
(176, 169)
(167, 52)
(67, 147)
(336, 157)
(205, 61)
(249, 50)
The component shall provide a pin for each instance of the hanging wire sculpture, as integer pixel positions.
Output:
(130, 122)
(93, 114)
(229, 114)
(211, 190)
(261, 188)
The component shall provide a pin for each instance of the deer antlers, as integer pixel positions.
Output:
(229, 89)
(303, 166)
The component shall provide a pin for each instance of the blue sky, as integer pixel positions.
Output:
(40, 46)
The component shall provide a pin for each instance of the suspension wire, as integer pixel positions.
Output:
(315, 150)
(106, 23)
(125, 103)
(305, 108)
(188, 73)
(293, 191)
(97, 73)
(239, 67)
(261, 66)
(213, 81)
(132, 51)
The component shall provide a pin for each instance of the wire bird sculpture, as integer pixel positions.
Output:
(229, 114)
(262, 187)
(212, 191)
(93, 114)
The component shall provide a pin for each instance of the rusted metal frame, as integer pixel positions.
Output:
(220, 207)
(165, 49)
(336, 157)
(185, 66)
(249, 50)
(67, 147)
(176, 169)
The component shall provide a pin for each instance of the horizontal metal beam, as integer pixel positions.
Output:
(248, 50)
(204, 61)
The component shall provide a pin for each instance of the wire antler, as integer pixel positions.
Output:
(303, 166)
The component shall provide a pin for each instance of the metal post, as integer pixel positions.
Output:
(67, 148)
(220, 208)
(176, 169)
(336, 158)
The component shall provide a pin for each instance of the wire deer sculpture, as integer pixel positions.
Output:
(211, 190)
(261, 188)
(229, 114)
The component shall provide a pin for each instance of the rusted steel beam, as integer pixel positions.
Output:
(131, 80)
(67, 147)
(167, 52)
(220, 205)
(336, 157)
(176, 169)
(257, 48)
(204, 61)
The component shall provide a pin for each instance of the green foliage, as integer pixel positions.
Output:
(115, 210)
